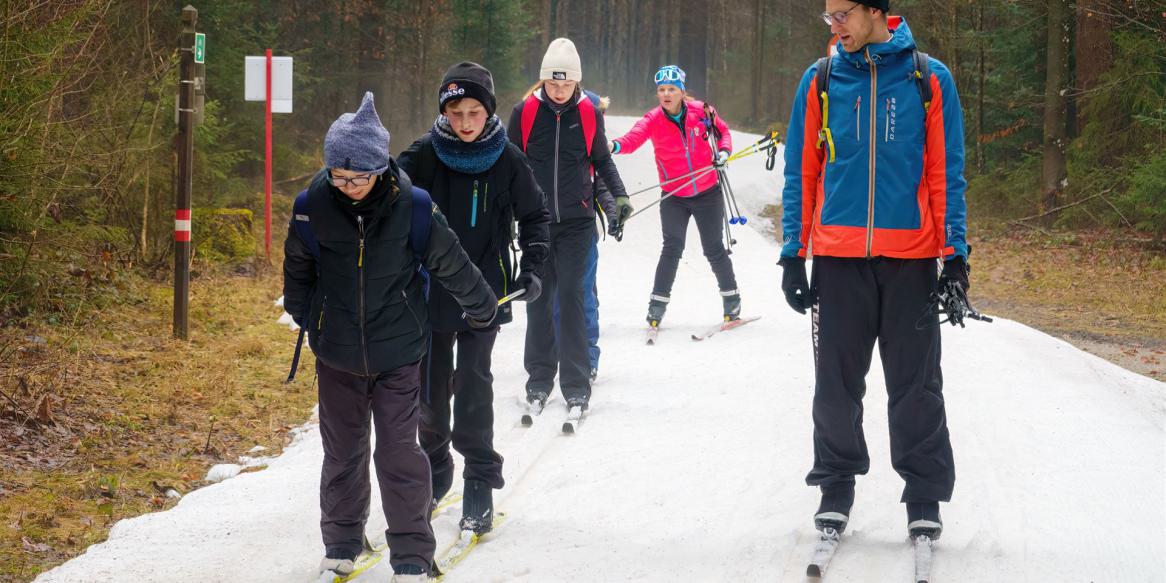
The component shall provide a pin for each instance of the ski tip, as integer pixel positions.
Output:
(697, 337)
(527, 420)
(569, 428)
(814, 572)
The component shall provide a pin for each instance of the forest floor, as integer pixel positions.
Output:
(103, 415)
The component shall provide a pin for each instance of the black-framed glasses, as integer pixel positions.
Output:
(840, 17)
(342, 182)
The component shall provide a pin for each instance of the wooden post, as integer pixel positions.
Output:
(184, 144)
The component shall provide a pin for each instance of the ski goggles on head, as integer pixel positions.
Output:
(670, 75)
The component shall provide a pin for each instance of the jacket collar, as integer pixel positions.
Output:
(901, 41)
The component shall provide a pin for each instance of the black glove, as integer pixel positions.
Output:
(484, 320)
(530, 282)
(955, 270)
(797, 290)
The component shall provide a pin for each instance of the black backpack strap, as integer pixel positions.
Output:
(922, 75)
(825, 138)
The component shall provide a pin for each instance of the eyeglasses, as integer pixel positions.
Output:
(669, 74)
(343, 182)
(837, 17)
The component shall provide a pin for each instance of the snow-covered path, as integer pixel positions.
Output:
(690, 464)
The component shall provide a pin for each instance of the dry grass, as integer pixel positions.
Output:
(1101, 294)
(103, 416)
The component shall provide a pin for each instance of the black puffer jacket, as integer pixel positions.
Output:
(557, 152)
(481, 209)
(364, 308)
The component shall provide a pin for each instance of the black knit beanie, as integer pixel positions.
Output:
(884, 5)
(467, 79)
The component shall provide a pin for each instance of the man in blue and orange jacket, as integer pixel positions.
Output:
(876, 196)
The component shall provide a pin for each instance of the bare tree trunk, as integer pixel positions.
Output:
(1054, 172)
(981, 58)
(758, 60)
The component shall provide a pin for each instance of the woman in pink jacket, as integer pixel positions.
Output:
(679, 130)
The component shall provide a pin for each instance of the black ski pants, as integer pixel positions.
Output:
(471, 384)
(861, 301)
(708, 210)
(563, 278)
(390, 399)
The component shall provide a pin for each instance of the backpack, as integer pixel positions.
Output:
(921, 74)
(419, 225)
(588, 117)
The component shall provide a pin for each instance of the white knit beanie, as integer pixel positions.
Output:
(561, 63)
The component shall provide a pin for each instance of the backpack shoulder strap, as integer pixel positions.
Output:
(301, 220)
(426, 165)
(529, 112)
(589, 117)
(823, 76)
(825, 138)
(922, 74)
(421, 221)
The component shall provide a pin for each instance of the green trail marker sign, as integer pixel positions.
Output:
(199, 48)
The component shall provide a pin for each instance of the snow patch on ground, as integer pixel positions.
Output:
(691, 463)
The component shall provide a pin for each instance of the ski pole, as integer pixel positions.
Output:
(669, 181)
(509, 298)
(670, 194)
(731, 201)
(513, 296)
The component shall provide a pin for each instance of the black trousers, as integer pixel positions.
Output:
(347, 402)
(471, 384)
(861, 301)
(563, 278)
(708, 210)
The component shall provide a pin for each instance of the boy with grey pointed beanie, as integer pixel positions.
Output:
(351, 280)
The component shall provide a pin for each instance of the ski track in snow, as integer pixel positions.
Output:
(690, 464)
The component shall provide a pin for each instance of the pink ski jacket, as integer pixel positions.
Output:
(681, 147)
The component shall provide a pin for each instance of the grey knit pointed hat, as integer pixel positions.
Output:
(358, 141)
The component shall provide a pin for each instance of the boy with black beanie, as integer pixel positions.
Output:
(483, 185)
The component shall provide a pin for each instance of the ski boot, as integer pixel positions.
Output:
(407, 573)
(477, 507)
(923, 520)
(732, 303)
(340, 561)
(656, 308)
(834, 510)
(580, 402)
(442, 477)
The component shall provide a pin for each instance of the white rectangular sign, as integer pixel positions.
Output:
(255, 82)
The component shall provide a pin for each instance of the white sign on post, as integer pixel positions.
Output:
(255, 82)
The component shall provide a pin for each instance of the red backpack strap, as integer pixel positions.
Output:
(587, 116)
(529, 111)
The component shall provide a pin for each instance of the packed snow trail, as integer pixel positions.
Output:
(690, 465)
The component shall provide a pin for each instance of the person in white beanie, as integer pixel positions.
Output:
(562, 133)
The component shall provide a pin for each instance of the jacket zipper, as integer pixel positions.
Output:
(505, 278)
(684, 139)
(874, 84)
(405, 297)
(558, 118)
(360, 294)
(858, 119)
(887, 122)
(474, 211)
